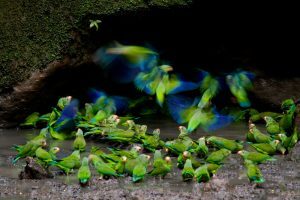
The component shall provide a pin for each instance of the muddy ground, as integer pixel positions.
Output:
(282, 182)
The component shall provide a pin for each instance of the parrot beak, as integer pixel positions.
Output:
(239, 152)
(148, 157)
(185, 154)
(124, 158)
(166, 150)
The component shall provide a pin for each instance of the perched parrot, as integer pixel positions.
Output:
(31, 120)
(217, 157)
(259, 137)
(79, 142)
(70, 162)
(161, 167)
(63, 102)
(131, 154)
(202, 174)
(201, 149)
(253, 172)
(29, 149)
(104, 169)
(266, 148)
(108, 158)
(132, 163)
(84, 172)
(188, 171)
(46, 156)
(220, 142)
(140, 170)
(272, 126)
(152, 142)
(255, 157)
(120, 166)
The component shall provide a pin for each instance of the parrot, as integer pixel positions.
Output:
(161, 167)
(45, 156)
(159, 82)
(209, 88)
(79, 142)
(272, 126)
(255, 157)
(153, 141)
(188, 171)
(63, 102)
(132, 163)
(53, 151)
(220, 142)
(131, 154)
(41, 136)
(202, 174)
(253, 172)
(218, 157)
(70, 162)
(183, 157)
(120, 166)
(140, 170)
(102, 168)
(266, 148)
(259, 116)
(239, 82)
(289, 142)
(29, 149)
(84, 172)
(287, 121)
(201, 149)
(31, 120)
(259, 137)
(108, 158)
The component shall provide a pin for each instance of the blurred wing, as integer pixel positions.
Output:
(175, 85)
(69, 112)
(96, 94)
(180, 107)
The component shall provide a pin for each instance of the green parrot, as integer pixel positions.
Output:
(161, 167)
(63, 102)
(188, 171)
(259, 116)
(79, 142)
(134, 54)
(70, 162)
(108, 158)
(120, 166)
(259, 136)
(253, 172)
(29, 149)
(218, 157)
(175, 146)
(289, 142)
(53, 151)
(152, 142)
(41, 136)
(45, 156)
(201, 149)
(212, 168)
(84, 172)
(209, 88)
(202, 174)
(31, 120)
(132, 163)
(140, 170)
(287, 122)
(255, 157)
(223, 143)
(131, 154)
(120, 135)
(99, 117)
(266, 148)
(272, 126)
(102, 168)
(183, 157)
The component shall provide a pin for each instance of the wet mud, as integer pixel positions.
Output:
(282, 178)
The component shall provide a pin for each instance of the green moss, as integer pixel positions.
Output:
(35, 33)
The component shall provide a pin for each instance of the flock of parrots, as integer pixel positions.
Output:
(144, 153)
(148, 154)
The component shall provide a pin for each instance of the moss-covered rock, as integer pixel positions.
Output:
(36, 33)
